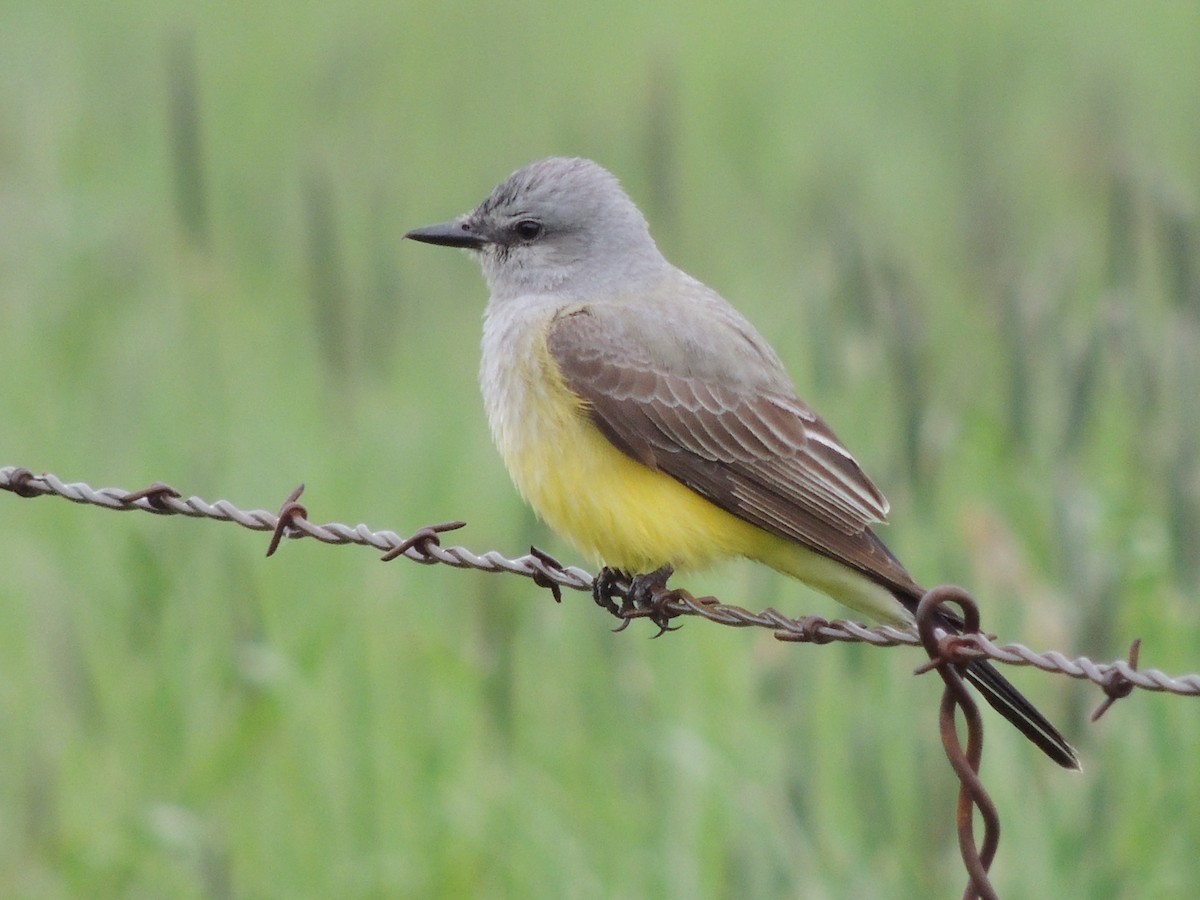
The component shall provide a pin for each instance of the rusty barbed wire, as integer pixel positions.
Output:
(1116, 678)
(161, 499)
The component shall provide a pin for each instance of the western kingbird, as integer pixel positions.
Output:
(648, 422)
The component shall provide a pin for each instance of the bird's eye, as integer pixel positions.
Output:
(528, 229)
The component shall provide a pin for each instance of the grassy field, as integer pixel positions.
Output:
(973, 235)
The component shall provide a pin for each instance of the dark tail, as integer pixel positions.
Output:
(1010, 703)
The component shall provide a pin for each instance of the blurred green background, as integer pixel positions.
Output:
(970, 230)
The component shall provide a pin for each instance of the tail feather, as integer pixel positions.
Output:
(1011, 703)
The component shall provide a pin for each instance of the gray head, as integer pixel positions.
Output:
(562, 226)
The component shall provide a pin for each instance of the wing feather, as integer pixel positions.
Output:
(756, 451)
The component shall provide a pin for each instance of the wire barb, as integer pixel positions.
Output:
(20, 482)
(289, 513)
(1116, 685)
(155, 495)
(422, 541)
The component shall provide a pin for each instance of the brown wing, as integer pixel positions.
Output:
(758, 453)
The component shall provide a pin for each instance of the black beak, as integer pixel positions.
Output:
(449, 234)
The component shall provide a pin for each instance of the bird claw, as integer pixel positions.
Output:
(649, 596)
(642, 597)
(663, 627)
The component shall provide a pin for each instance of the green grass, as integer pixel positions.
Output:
(971, 234)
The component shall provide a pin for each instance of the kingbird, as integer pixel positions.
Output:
(649, 423)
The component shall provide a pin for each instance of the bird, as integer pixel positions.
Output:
(649, 423)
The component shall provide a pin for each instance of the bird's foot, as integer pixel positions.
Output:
(641, 596)
(648, 597)
(608, 585)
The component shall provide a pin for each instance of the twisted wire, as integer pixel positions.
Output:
(424, 546)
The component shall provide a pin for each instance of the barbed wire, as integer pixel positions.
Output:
(947, 652)
(424, 546)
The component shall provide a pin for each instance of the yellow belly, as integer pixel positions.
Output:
(617, 510)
